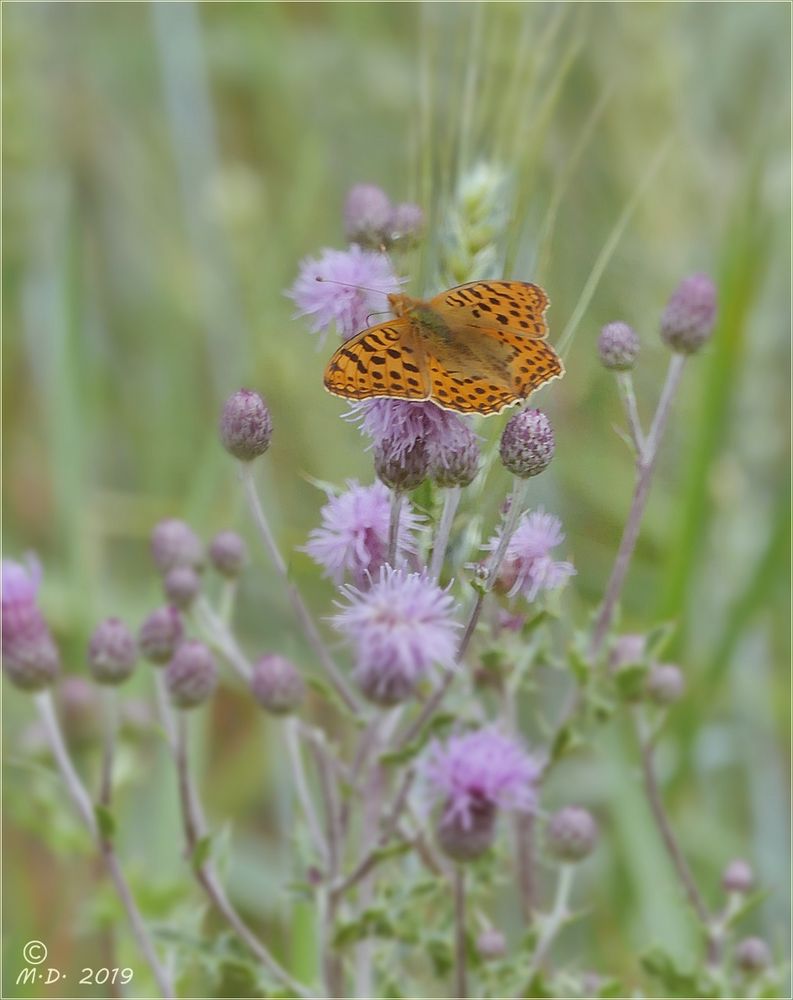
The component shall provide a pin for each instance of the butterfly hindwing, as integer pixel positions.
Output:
(385, 360)
(517, 306)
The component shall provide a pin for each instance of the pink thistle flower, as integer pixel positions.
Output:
(338, 305)
(400, 628)
(353, 539)
(528, 567)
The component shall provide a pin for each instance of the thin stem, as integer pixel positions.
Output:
(194, 830)
(393, 525)
(667, 833)
(628, 396)
(109, 734)
(645, 468)
(516, 501)
(451, 499)
(327, 784)
(301, 611)
(460, 973)
(220, 636)
(524, 851)
(291, 732)
(164, 709)
(553, 921)
(82, 801)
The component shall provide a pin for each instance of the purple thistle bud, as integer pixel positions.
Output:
(246, 426)
(738, 877)
(491, 944)
(407, 222)
(277, 685)
(367, 215)
(348, 305)
(528, 567)
(527, 444)
(572, 834)
(399, 628)
(665, 684)
(112, 652)
(228, 553)
(398, 468)
(191, 676)
(474, 775)
(690, 314)
(457, 463)
(182, 585)
(353, 539)
(174, 543)
(753, 955)
(30, 657)
(160, 634)
(628, 650)
(618, 346)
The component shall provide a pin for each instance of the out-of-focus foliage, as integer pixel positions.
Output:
(165, 168)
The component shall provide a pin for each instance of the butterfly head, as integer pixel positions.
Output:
(402, 305)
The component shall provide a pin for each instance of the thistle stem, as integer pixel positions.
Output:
(291, 732)
(628, 396)
(460, 971)
(451, 499)
(301, 611)
(553, 922)
(82, 802)
(109, 734)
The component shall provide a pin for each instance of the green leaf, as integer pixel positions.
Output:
(630, 680)
(658, 639)
(746, 906)
(565, 741)
(676, 981)
(371, 923)
(201, 851)
(440, 953)
(105, 821)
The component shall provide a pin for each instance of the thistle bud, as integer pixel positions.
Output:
(182, 585)
(277, 685)
(191, 676)
(174, 543)
(627, 650)
(491, 944)
(112, 652)
(246, 426)
(572, 834)
(457, 464)
(527, 444)
(752, 955)
(407, 222)
(618, 346)
(367, 215)
(228, 553)
(665, 684)
(464, 841)
(401, 468)
(690, 314)
(160, 634)
(30, 657)
(738, 877)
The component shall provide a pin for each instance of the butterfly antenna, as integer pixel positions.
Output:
(347, 284)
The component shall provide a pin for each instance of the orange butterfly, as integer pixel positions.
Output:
(474, 349)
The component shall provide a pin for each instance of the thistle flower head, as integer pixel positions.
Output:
(228, 553)
(277, 685)
(246, 426)
(352, 542)
(618, 346)
(572, 834)
(160, 634)
(482, 769)
(528, 567)
(367, 215)
(174, 543)
(112, 652)
(338, 305)
(400, 628)
(192, 675)
(690, 313)
(456, 462)
(399, 468)
(30, 657)
(527, 444)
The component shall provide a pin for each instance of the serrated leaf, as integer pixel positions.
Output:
(747, 905)
(105, 820)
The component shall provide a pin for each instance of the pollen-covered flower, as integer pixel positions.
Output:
(338, 305)
(474, 775)
(353, 539)
(400, 628)
(30, 657)
(528, 567)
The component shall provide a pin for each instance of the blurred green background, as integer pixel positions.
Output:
(165, 169)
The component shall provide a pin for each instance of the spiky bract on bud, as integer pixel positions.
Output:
(399, 468)
(527, 444)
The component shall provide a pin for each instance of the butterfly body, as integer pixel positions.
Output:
(474, 349)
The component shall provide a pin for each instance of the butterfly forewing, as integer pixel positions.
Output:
(386, 360)
(518, 306)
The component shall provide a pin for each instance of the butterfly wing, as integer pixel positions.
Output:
(385, 360)
(516, 306)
